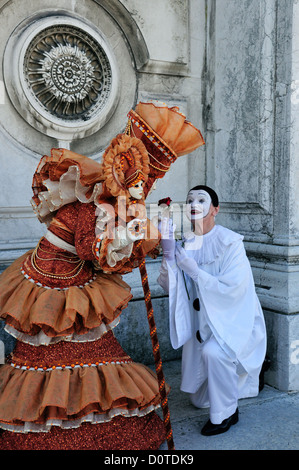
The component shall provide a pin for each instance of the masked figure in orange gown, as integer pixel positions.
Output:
(68, 383)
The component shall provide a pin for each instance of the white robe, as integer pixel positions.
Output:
(230, 311)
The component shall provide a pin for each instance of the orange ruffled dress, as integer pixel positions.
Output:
(69, 384)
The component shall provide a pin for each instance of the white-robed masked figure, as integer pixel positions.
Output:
(214, 312)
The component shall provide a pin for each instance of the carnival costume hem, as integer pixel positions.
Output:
(86, 393)
(68, 384)
(92, 418)
(97, 382)
(43, 340)
(136, 433)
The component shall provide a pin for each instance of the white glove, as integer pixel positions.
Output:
(188, 265)
(166, 228)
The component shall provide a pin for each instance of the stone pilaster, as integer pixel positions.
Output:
(252, 155)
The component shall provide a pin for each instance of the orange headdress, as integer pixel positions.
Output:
(133, 176)
(125, 162)
(165, 133)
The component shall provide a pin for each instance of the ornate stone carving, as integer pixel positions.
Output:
(67, 72)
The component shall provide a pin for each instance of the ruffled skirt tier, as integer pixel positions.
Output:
(31, 309)
(68, 383)
(143, 433)
(43, 391)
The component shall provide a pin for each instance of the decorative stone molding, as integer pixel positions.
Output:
(67, 72)
(61, 75)
(130, 29)
(240, 115)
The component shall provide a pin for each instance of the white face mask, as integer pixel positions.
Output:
(198, 204)
(136, 191)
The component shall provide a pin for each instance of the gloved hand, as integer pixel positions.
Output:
(188, 265)
(166, 228)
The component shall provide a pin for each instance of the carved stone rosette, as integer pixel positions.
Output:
(61, 75)
(67, 72)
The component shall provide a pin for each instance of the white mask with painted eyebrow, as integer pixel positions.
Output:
(198, 204)
(136, 191)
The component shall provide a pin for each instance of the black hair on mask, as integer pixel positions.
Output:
(210, 191)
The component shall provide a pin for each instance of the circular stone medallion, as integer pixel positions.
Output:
(61, 76)
(67, 72)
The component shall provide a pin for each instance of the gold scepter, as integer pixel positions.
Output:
(156, 353)
(155, 343)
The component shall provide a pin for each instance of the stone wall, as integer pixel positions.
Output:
(252, 155)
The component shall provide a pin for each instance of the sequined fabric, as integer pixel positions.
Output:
(72, 395)
(105, 349)
(32, 309)
(55, 267)
(144, 433)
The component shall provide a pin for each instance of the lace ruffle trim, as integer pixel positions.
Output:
(92, 418)
(41, 339)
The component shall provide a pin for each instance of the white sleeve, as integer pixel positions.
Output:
(229, 299)
(163, 278)
(180, 321)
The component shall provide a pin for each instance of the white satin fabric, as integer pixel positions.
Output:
(230, 318)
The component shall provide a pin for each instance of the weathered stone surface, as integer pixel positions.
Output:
(252, 153)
